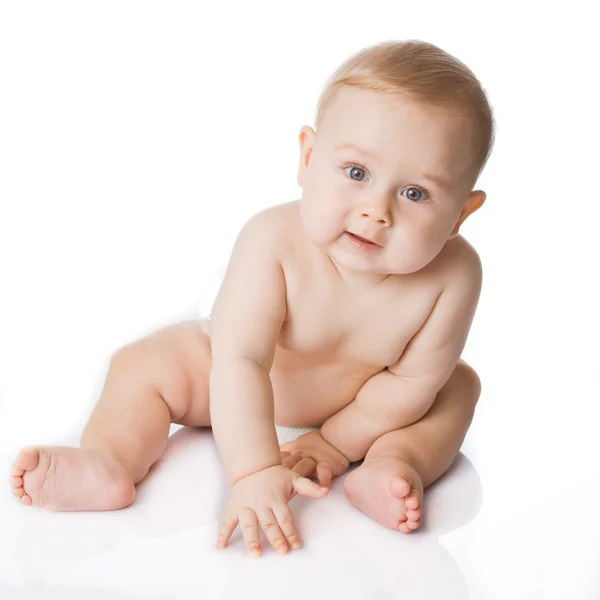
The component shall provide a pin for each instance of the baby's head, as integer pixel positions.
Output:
(402, 132)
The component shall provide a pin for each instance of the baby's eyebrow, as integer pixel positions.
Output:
(357, 148)
(439, 180)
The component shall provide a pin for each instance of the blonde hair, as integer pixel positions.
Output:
(424, 73)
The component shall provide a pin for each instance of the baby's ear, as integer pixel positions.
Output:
(306, 138)
(472, 203)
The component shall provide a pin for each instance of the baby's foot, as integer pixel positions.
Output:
(389, 490)
(63, 478)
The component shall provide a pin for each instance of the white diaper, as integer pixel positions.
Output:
(289, 434)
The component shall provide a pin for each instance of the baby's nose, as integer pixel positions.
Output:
(378, 211)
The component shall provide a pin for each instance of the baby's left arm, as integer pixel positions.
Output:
(402, 393)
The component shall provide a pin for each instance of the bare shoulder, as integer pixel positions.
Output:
(274, 224)
(459, 260)
(250, 307)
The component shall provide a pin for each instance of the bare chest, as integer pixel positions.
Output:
(326, 323)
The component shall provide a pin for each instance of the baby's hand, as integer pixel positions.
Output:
(309, 453)
(263, 498)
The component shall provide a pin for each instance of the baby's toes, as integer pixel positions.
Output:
(16, 471)
(27, 460)
(413, 501)
(16, 482)
(413, 515)
(19, 491)
(411, 522)
(399, 486)
(409, 526)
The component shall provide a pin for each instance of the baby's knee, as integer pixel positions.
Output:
(470, 375)
(468, 380)
(156, 363)
(133, 360)
(146, 363)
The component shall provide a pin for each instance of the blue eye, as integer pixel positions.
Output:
(354, 170)
(417, 190)
(355, 175)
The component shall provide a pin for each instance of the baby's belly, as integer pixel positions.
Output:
(308, 392)
(306, 395)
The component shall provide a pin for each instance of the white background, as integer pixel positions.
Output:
(137, 137)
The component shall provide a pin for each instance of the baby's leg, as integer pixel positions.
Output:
(389, 485)
(150, 384)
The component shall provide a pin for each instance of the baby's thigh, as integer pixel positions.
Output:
(178, 361)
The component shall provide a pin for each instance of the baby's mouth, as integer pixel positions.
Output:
(362, 239)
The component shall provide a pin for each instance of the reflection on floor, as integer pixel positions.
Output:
(163, 545)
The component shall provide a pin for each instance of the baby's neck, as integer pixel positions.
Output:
(355, 280)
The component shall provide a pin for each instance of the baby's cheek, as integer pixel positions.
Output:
(319, 223)
(409, 253)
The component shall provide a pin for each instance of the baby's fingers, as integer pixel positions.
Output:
(249, 527)
(286, 521)
(306, 487)
(273, 532)
(305, 467)
(228, 525)
(289, 460)
(324, 474)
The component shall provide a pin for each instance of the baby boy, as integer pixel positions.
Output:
(344, 312)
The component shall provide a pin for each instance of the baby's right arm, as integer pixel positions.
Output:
(245, 323)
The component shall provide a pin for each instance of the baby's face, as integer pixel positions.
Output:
(371, 170)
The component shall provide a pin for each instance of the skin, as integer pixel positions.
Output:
(418, 233)
(303, 324)
(382, 201)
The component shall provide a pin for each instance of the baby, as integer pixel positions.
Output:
(344, 312)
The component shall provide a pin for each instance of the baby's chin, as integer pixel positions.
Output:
(368, 264)
(384, 261)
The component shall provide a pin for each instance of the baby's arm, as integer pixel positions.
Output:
(404, 392)
(245, 323)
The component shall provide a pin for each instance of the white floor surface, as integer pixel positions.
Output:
(493, 529)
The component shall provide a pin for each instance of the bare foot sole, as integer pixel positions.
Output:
(64, 478)
(388, 490)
